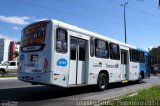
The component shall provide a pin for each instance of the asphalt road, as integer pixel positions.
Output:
(20, 93)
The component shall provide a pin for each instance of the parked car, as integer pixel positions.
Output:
(8, 67)
(155, 69)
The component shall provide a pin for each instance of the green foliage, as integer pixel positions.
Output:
(155, 55)
(16, 54)
(146, 97)
(152, 93)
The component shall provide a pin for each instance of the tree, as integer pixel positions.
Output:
(155, 53)
(16, 54)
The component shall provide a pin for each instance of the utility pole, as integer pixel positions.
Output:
(124, 5)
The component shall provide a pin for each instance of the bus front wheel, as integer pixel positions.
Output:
(102, 82)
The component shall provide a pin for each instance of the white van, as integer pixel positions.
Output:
(8, 67)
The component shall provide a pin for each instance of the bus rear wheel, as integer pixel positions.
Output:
(140, 79)
(102, 82)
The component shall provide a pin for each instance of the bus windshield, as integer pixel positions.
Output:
(34, 34)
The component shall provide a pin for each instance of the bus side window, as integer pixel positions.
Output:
(141, 57)
(91, 46)
(61, 41)
(114, 51)
(101, 49)
(133, 55)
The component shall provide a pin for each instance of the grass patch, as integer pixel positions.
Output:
(152, 93)
(146, 97)
(9, 76)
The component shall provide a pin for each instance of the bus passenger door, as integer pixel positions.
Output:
(77, 72)
(81, 67)
(124, 65)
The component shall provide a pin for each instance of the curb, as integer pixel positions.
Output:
(8, 78)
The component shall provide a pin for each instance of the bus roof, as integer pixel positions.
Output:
(92, 34)
(142, 50)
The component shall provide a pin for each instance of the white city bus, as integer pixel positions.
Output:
(56, 53)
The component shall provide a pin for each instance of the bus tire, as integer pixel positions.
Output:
(102, 82)
(1, 73)
(140, 79)
(33, 83)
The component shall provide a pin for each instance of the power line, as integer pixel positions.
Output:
(134, 9)
(149, 5)
(100, 12)
(139, 20)
(68, 13)
(142, 20)
(143, 12)
(61, 11)
(88, 7)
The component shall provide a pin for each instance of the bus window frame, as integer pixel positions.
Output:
(141, 58)
(132, 57)
(92, 47)
(110, 53)
(66, 41)
(106, 48)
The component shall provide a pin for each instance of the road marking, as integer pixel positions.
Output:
(132, 94)
(8, 78)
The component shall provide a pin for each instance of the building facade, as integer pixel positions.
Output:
(7, 50)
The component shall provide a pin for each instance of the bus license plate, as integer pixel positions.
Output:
(34, 58)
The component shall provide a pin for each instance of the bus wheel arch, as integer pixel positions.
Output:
(142, 73)
(141, 77)
(103, 80)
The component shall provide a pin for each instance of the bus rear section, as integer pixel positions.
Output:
(144, 64)
(70, 58)
(34, 56)
(59, 57)
(139, 60)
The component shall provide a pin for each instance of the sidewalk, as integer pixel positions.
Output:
(8, 78)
